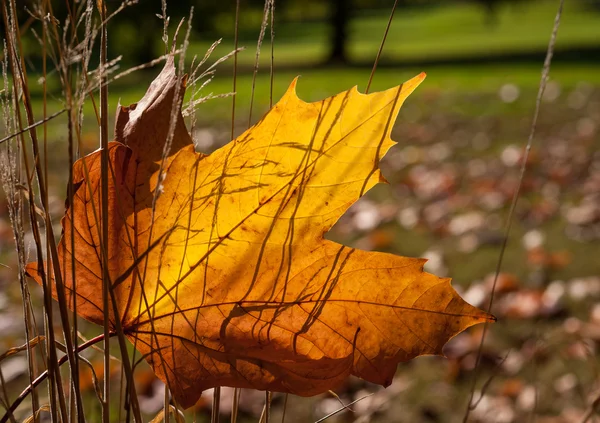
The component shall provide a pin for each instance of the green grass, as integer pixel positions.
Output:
(461, 29)
(443, 31)
(318, 83)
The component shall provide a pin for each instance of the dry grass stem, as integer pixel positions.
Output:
(542, 87)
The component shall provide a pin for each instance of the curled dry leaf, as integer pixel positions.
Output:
(228, 280)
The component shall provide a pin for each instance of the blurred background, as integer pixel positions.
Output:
(452, 176)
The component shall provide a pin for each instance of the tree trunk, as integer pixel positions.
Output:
(338, 20)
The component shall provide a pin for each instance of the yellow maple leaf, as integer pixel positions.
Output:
(219, 266)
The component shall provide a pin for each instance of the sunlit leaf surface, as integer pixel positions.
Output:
(220, 269)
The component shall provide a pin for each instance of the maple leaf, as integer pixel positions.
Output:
(220, 270)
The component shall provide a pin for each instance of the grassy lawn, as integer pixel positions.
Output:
(316, 83)
(319, 83)
(452, 29)
(442, 31)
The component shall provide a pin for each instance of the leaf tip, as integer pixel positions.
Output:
(292, 87)
(485, 317)
(410, 85)
(290, 93)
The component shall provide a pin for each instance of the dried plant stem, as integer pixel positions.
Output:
(593, 409)
(75, 118)
(268, 399)
(235, 405)
(15, 206)
(214, 417)
(542, 87)
(285, 402)
(104, 211)
(269, 395)
(133, 69)
(10, 181)
(272, 73)
(236, 391)
(385, 34)
(20, 80)
(4, 399)
(36, 124)
(261, 36)
(76, 404)
(265, 416)
(76, 391)
(44, 90)
(108, 296)
(342, 408)
(46, 374)
(235, 66)
(166, 404)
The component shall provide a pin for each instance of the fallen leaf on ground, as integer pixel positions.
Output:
(219, 265)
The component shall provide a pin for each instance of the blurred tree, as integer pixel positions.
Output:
(339, 19)
(490, 8)
(136, 32)
(143, 41)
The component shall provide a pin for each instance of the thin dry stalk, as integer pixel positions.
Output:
(261, 36)
(593, 410)
(216, 406)
(108, 295)
(46, 374)
(285, 402)
(236, 391)
(36, 124)
(51, 249)
(75, 99)
(538, 101)
(235, 405)
(272, 73)
(4, 398)
(343, 408)
(104, 213)
(10, 166)
(235, 68)
(385, 34)
(20, 84)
